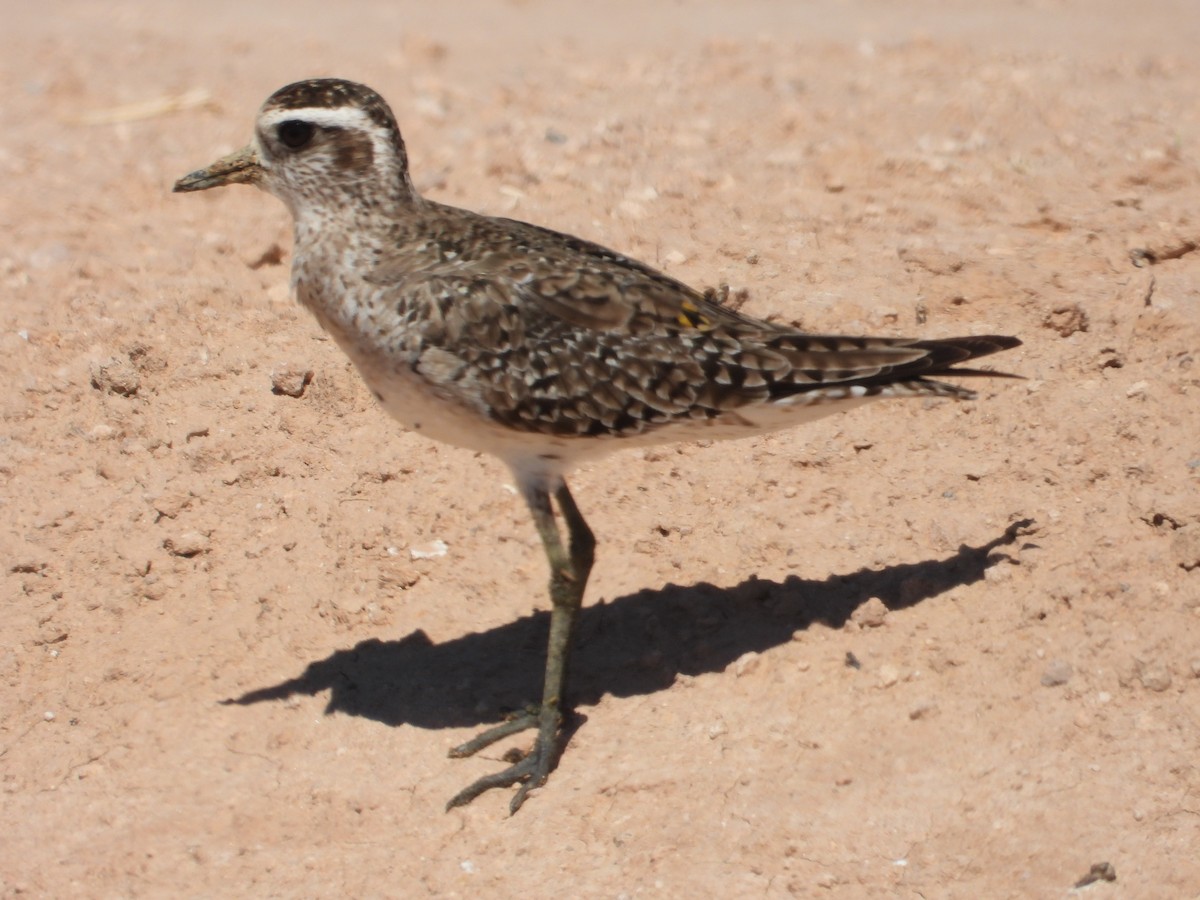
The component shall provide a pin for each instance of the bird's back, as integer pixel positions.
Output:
(544, 334)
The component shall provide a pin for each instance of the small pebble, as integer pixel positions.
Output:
(432, 550)
(888, 676)
(48, 715)
(998, 573)
(1058, 672)
(746, 663)
(1155, 677)
(922, 710)
(190, 543)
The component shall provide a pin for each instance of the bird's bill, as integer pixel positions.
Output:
(241, 167)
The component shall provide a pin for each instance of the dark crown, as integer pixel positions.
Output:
(333, 93)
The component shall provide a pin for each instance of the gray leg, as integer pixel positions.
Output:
(569, 569)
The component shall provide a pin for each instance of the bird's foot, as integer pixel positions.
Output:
(531, 770)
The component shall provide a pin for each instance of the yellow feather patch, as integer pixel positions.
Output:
(691, 317)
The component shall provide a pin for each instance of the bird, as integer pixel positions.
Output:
(541, 348)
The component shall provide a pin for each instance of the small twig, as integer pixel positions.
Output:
(1142, 256)
(146, 109)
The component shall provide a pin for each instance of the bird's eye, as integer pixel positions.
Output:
(294, 133)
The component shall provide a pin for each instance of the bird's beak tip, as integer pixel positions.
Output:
(240, 167)
(189, 182)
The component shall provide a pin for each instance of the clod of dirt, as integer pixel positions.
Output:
(1185, 547)
(746, 663)
(933, 260)
(1101, 871)
(1154, 676)
(188, 544)
(870, 615)
(1067, 320)
(116, 376)
(888, 676)
(171, 502)
(291, 380)
(272, 256)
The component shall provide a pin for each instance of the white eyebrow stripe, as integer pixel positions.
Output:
(341, 117)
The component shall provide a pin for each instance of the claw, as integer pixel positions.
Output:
(531, 771)
(515, 724)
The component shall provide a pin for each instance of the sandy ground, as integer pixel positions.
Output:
(829, 662)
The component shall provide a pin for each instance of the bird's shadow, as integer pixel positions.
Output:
(634, 645)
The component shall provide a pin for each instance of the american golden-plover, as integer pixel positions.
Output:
(535, 346)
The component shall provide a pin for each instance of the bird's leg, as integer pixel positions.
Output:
(569, 569)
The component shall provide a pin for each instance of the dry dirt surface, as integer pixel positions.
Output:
(919, 650)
